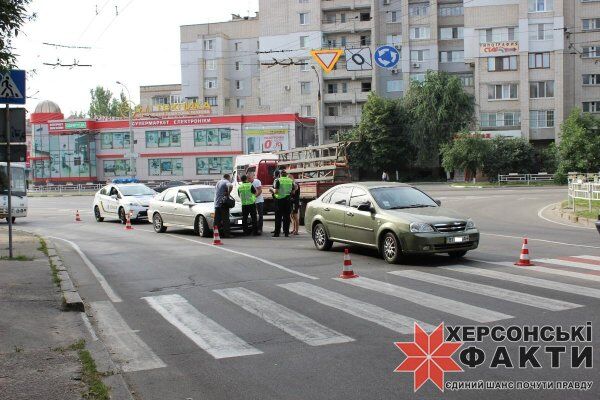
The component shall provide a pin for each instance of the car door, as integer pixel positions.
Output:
(360, 225)
(334, 212)
(112, 204)
(102, 199)
(183, 214)
(166, 208)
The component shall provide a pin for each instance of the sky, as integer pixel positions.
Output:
(139, 46)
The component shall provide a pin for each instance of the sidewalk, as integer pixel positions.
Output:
(35, 334)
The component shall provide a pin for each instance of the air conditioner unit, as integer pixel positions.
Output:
(287, 88)
(416, 65)
(395, 71)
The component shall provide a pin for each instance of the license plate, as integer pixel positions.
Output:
(239, 222)
(458, 239)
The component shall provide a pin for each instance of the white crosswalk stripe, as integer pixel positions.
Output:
(553, 271)
(289, 321)
(593, 258)
(449, 306)
(370, 312)
(487, 290)
(526, 280)
(566, 263)
(206, 333)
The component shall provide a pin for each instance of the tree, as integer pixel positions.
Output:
(467, 152)
(13, 15)
(509, 155)
(438, 109)
(383, 141)
(103, 104)
(579, 148)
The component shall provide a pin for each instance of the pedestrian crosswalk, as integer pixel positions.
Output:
(296, 307)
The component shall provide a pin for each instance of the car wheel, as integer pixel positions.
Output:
(321, 238)
(390, 248)
(97, 214)
(122, 217)
(201, 227)
(157, 222)
(457, 254)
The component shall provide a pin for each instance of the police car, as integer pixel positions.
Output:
(122, 197)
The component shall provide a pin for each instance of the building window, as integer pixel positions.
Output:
(331, 43)
(306, 111)
(541, 5)
(303, 1)
(591, 79)
(304, 20)
(418, 9)
(343, 18)
(591, 106)
(209, 44)
(160, 100)
(193, 99)
(239, 85)
(450, 11)
(165, 166)
(539, 60)
(163, 138)
(591, 52)
(491, 35)
(116, 167)
(238, 65)
(332, 88)
(420, 32)
(240, 103)
(451, 33)
(237, 46)
(304, 67)
(394, 39)
(507, 91)
(541, 31)
(344, 87)
(333, 111)
(303, 42)
(365, 40)
(507, 63)
(365, 87)
(365, 16)
(209, 65)
(452, 56)
(419, 55)
(210, 83)
(417, 77)
(393, 16)
(304, 87)
(467, 80)
(541, 119)
(115, 140)
(500, 119)
(394, 86)
(214, 165)
(343, 41)
(541, 89)
(211, 100)
(212, 137)
(591, 24)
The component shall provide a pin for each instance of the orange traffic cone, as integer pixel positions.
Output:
(216, 237)
(524, 260)
(347, 271)
(77, 217)
(128, 222)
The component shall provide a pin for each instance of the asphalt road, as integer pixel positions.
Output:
(264, 318)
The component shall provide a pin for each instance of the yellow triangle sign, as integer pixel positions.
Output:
(327, 58)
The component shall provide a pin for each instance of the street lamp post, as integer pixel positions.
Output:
(132, 166)
(320, 125)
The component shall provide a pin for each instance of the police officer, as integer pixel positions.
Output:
(247, 194)
(283, 189)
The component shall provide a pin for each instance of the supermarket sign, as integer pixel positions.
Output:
(173, 110)
(508, 47)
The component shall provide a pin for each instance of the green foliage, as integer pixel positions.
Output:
(382, 137)
(508, 155)
(13, 15)
(547, 159)
(467, 152)
(579, 149)
(103, 104)
(438, 108)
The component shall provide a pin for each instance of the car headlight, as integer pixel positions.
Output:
(421, 227)
(470, 224)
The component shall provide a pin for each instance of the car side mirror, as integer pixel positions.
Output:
(366, 206)
(438, 202)
(188, 203)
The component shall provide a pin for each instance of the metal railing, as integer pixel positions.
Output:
(515, 177)
(58, 189)
(583, 187)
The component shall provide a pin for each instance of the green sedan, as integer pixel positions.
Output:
(395, 218)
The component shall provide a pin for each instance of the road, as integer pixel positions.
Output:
(264, 318)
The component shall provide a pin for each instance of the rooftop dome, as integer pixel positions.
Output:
(47, 107)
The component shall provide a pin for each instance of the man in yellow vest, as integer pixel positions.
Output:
(283, 190)
(247, 194)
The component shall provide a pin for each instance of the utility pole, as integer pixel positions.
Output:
(320, 124)
(131, 153)
(9, 180)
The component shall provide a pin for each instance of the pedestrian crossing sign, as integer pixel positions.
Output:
(12, 87)
(327, 58)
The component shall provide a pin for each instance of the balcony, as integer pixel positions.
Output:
(352, 96)
(342, 120)
(341, 73)
(346, 27)
(335, 5)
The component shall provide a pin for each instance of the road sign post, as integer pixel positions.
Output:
(9, 181)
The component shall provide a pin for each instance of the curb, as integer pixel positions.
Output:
(571, 217)
(71, 299)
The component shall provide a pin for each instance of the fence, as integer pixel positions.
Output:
(57, 189)
(584, 187)
(514, 177)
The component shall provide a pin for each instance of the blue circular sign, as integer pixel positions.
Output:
(387, 56)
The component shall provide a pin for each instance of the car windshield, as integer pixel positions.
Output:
(136, 190)
(203, 195)
(394, 198)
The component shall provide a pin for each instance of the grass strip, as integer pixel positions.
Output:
(97, 390)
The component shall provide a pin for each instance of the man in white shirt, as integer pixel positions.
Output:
(260, 200)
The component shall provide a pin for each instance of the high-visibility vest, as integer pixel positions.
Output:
(245, 191)
(285, 187)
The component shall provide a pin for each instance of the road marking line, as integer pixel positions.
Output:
(88, 325)
(526, 280)
(291, 322)
(593, 258)
(428, 300)
(103, 283)
(370, 312)
(541, 211)
(129, 351)
(206, 333)
(566, 263)
(546, 270)
(490, 291)
(540, 240)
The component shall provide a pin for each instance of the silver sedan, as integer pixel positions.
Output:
(189, 207)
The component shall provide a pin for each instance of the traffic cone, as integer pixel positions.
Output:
(216, 237)
(77, 217)
(128, 222)
(524, 260)
(347, 271)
